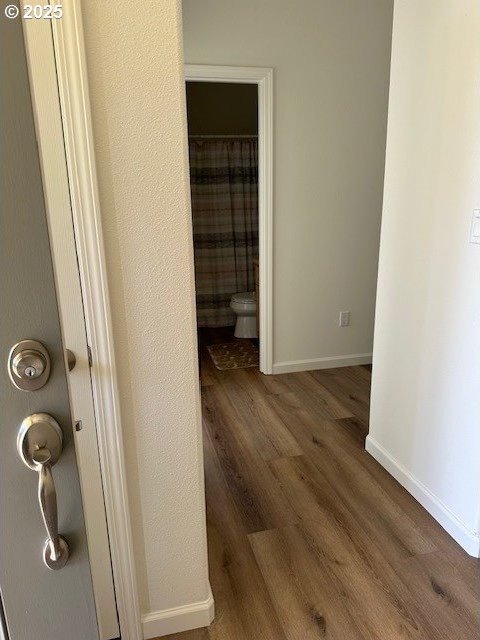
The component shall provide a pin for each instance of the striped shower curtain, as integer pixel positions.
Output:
(224, 184)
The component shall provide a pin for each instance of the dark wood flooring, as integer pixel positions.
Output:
(308, 536)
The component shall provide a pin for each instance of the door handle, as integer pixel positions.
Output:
(39, 445)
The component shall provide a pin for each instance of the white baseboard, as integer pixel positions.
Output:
(177, 619)
(331, 362)
(467, 539)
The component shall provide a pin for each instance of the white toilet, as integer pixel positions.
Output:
(245, 307)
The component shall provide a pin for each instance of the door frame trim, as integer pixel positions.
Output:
(79, 147)
(263, 78)
(72, 78)
(41, 66)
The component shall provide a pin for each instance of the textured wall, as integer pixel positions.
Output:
(135, 69)
(425, 409)
(331, 63)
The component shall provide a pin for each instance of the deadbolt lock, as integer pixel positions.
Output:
(29, 365)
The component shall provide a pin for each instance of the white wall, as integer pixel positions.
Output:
(135, 67)
(331, 63)
(425, 411)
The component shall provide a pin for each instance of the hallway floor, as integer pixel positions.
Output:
(308, 536)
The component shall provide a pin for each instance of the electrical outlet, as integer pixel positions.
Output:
(344, 319)
(475, 229)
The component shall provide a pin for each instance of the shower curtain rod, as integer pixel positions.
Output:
(226, 136)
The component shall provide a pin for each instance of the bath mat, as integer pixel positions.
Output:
(234, 355)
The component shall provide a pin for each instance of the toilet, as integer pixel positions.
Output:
(245, 307)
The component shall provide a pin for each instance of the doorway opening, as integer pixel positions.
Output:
(223, 151)
(230, 138)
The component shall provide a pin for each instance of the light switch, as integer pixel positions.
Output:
(475, 230)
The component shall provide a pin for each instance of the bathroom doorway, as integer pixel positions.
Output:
(229, 142)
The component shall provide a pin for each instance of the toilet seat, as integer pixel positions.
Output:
(245, 297)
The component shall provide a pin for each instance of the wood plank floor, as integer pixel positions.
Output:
(308, 536)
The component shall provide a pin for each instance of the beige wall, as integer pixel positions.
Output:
(425, 409)
(135, 69)
(331, 65)
(215, 108)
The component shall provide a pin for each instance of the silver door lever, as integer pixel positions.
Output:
(39, 445)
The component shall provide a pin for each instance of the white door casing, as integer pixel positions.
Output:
(43, 83)
(59, 87)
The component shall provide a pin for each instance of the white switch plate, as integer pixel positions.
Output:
(475, 229)
(344, 319)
